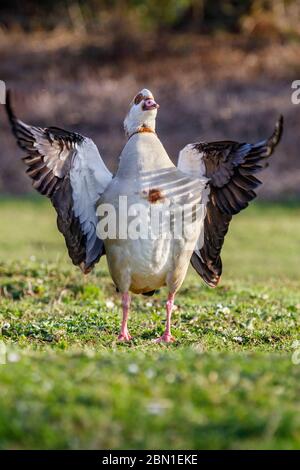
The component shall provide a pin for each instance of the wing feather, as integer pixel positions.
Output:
(67, 168)
(231, 168)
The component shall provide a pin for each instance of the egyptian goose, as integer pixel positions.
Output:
(212, 182)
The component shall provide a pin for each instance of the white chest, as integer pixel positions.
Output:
(158, 215)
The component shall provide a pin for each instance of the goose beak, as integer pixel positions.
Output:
(150, 104)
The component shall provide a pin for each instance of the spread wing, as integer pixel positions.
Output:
(67, 168)
(231, 168)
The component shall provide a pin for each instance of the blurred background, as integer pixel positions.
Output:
(220, 70)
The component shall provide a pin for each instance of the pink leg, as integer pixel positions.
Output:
(124, 334)
(167, 337)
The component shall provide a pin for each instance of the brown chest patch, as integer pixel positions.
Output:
(155, 195)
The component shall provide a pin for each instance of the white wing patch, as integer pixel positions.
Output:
(89, 178)
(190, 161)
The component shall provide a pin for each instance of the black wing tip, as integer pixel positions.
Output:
(85, 269)
(213, 282)
(8, 107)
(13, 120)
(209, 273)
(277, 134)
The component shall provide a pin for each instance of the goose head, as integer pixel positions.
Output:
(142, 113)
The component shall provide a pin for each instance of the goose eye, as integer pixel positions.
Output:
(138, 98)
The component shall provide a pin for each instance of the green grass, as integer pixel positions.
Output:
(228, 382)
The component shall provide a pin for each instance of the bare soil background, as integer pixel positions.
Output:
(209, 88)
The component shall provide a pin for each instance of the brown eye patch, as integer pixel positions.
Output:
(138, 98)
